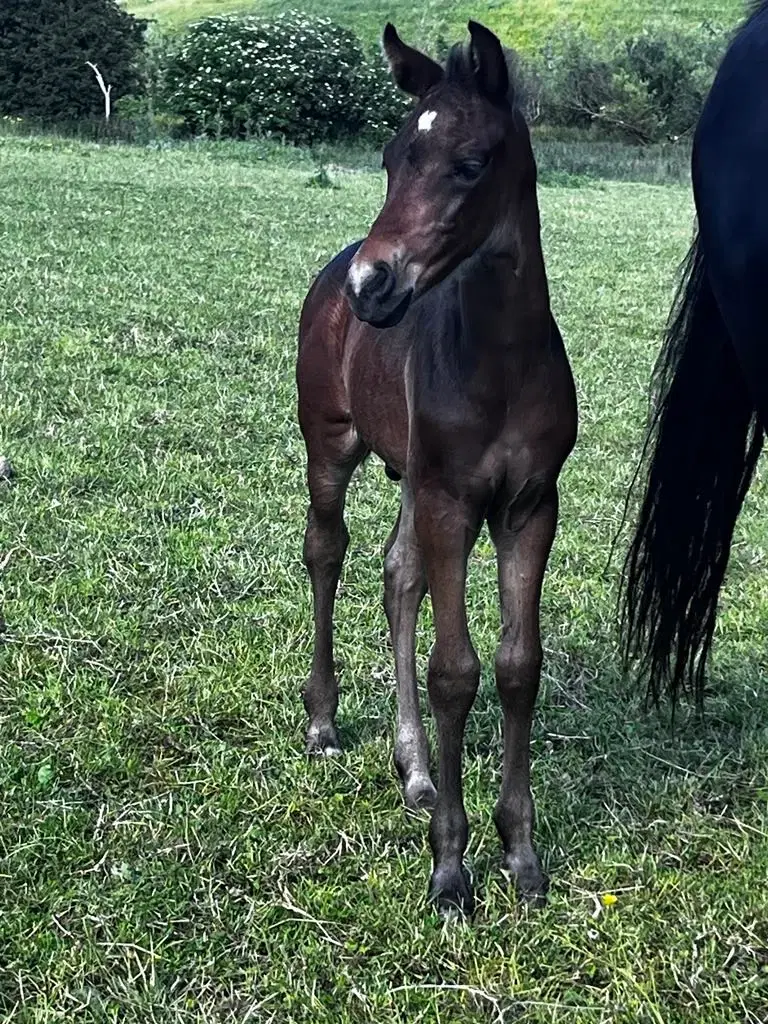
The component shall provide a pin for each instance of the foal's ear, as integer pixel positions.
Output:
(414, 72)
(488, 63)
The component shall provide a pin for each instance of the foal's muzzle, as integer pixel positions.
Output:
(375, 295)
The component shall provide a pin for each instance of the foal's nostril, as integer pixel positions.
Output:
(382, 282)
(375, 294)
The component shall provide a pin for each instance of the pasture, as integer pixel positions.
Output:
(167, 853)
(522, 23)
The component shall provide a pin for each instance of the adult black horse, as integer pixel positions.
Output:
(710, 409)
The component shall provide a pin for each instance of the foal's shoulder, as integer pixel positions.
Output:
(329, 281)
(336, 271)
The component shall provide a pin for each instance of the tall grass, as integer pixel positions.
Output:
(574, 156)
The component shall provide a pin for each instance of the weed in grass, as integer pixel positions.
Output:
(321, 179)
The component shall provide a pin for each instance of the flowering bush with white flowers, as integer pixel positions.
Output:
(303, 78)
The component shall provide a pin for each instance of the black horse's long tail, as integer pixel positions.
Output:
(703, 444)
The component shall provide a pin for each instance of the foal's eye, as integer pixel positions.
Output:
(468, 171)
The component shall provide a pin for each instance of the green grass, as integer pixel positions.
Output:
(166, 851)
(523, 23)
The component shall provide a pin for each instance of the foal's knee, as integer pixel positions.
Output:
(518, 666)
(403, 574)
(325, 540)
(453, 678)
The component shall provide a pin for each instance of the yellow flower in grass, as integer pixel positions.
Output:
(608, 899)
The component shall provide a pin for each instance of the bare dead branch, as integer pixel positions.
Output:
(601, 115)
(106, 89)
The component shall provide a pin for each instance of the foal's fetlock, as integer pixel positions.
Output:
(419, 792)
(523, 869)
(412, 763)
(320, 699)
(450, 890)
(323, 739)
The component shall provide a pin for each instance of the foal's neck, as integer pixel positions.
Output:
(503, 288)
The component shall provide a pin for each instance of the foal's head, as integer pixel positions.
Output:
(453, 172)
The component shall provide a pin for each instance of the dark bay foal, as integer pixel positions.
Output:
(432, 344)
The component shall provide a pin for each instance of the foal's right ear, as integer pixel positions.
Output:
(414, 72)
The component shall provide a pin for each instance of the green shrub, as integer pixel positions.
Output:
(647, 88)
(575, 79)
(143, 115)
(138, 119)
(302, 78)
(383, 107)
(676, 70)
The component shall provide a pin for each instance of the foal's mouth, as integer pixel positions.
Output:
(388, 318)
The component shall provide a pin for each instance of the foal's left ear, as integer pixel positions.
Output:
(489, 63)
(414, 72)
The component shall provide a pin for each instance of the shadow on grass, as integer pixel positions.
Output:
(601, 755)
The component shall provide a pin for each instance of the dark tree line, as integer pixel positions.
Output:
(44, 47)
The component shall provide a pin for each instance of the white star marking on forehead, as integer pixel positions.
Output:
(427, 120)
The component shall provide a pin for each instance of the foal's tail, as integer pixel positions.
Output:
(700, 454)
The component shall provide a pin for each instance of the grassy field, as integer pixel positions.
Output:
(166, 851)
(522, 23)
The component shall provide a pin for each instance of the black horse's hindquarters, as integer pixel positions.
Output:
(730, 182)
(710, 395)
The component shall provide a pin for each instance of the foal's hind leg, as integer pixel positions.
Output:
(405, 585)
(325, 544)
(522, 559)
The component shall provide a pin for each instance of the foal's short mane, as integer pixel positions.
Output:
(459, 70)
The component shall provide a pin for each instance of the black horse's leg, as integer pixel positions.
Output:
(325, 544)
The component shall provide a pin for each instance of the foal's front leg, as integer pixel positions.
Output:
(446, 531)
(522, 558)
(325, 544)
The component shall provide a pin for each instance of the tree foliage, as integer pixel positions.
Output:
(44, 46)
(646, 88)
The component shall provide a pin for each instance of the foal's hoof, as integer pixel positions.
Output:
(323, 741)
(529, 880)
(420, 793)
(451, 892)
